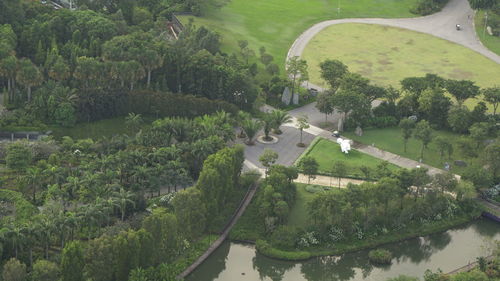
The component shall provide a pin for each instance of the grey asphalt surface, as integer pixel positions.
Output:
(441, 24)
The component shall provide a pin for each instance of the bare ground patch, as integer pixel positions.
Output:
(457, 73)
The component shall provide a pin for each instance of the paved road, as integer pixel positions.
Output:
(441, 24)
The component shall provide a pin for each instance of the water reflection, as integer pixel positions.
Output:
(448, 250)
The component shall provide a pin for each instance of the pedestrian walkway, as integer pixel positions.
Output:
(243, 205)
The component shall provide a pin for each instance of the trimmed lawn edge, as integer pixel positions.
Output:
(265, 249)
(314, 142)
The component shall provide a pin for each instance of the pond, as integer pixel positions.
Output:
(448, 251)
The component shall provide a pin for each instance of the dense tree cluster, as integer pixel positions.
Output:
(62, 66)
(94, 190)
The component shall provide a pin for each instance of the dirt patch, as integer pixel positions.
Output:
(364, 62)
(366, 71)
(395, 49)
(385, 61)
(410, 42)
(461, 74)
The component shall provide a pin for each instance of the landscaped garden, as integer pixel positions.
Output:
(386, 55)
(275, 24)
(391, 139)
(326, 153)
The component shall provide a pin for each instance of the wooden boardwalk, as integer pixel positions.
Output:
(241, 208)
(469, 267)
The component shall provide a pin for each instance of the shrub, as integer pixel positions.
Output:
(427, 7)
(284, 237)
(384, 122)
(380, 256)
(264, 248)
(312, 188)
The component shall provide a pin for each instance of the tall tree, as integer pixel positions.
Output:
(309, 166)
(339, 170)
(332, 71)
(324, 103)
(296, 69)
(123, 198)
(302, 124)
(72, 262)
(28, 75)
(407, 126)
(268, 158)
(462, 89)
(423, 132)
(150, 60)
(492, 96)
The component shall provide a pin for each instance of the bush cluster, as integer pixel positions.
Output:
(380, 256)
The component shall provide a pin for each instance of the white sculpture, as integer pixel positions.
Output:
(345, 145)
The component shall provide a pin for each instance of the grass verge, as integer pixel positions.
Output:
(327, 152)
(390, 139)
(490, 42)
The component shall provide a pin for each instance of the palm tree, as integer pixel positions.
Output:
(8, 69)
(302, 124)
(15, 234)
(123, 198)
(31, 233)
(251, 128)
(242, 116)
(29, 75)
(33, 180)
(280, 117)
(133, 121)
(150, 59)
(268, 124)
(45, 226)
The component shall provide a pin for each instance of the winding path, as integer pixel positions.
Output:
(441, 24)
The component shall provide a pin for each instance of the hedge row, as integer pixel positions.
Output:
(167, 104)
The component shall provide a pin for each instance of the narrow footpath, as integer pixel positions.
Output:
(243, 205)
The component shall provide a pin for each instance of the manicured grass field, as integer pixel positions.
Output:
(386, 55)
(327, 152)
(491, 42)
(275, 24)
(390, 139)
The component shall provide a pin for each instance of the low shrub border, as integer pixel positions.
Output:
(355, 245)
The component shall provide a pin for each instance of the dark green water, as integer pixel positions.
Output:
(448, 251)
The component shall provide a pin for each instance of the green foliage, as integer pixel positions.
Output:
(190, 209)
(380, 256)
(24, 209)
(72, 262)
(264, 248)
(44, 270)
(14, 270)
(427, 7)
(309, 166)
(403, 278)
(19, 156)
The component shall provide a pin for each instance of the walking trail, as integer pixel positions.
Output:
(243, 205)
(441, 24)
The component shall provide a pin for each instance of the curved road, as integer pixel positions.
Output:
(441, 24)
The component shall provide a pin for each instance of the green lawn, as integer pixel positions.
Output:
(275, 24)
(95, 130)
(327, 152)
(394, 54)
(390, 139)
(298, 216)
(491, 42)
